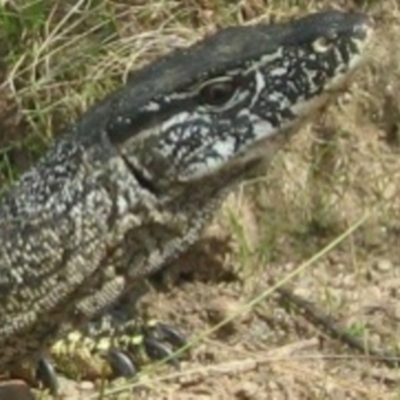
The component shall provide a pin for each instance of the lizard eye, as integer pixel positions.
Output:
(217, 93)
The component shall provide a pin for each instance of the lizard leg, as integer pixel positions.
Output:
(87, 309)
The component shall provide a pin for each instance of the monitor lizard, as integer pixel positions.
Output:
(131, 184)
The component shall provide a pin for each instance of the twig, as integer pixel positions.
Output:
(322, 321)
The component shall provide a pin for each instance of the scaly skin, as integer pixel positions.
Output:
(132, 183)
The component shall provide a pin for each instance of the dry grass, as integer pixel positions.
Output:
(60, 57)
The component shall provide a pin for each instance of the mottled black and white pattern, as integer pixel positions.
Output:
(132, 183)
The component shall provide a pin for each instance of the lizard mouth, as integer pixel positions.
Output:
(364, 45)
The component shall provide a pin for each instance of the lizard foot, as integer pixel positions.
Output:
(111, 353)
(157, 341)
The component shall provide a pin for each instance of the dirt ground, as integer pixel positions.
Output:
(336, 170)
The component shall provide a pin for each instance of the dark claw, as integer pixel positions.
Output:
(46, 374)
(121, 364)
(158, 351)
(170, 334)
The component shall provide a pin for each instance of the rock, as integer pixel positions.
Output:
(15, 389)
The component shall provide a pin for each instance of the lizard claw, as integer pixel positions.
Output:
(155, 334)
(157, 350)
(46, 374)
(170, 334)
(121, 364)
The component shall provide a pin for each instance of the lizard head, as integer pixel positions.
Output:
(225, 103)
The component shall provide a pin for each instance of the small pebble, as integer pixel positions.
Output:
(86, 386)
(384, 265)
